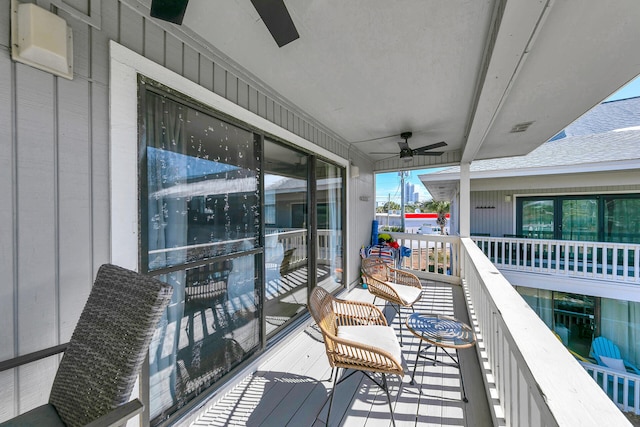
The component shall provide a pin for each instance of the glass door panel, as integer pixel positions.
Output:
(286, 223)
(200, 228)
(580, 219)
(329, 199)
(574, 320)
(537, 219)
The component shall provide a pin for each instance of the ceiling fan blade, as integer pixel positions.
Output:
(430, 147)
(276, 17)
(429, 153)
(381, 152)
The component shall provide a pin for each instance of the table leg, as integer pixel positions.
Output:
(456, 364)
(413, 374)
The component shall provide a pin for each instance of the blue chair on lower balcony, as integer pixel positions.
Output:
(606, 353)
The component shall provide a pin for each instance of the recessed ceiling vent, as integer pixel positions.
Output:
(521, 127)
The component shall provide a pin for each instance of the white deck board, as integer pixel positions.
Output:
(292, 387)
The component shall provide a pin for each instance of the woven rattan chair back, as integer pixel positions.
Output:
(332, 313)
(375, 268)
(100, 366)
(391, 285)
(321, 309)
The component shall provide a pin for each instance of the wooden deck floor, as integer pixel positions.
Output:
(292, 387)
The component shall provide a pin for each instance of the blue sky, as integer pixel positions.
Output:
(389, 183)
(630, 90)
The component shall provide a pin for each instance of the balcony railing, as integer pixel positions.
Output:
(622, 388)
(530, 377)
(598, 260)
(434, 257)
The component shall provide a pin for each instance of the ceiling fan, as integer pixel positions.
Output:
(273, 13)
(407, 153)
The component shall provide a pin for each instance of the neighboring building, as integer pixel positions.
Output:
(583, 185)
(412, 221)
(410, 193)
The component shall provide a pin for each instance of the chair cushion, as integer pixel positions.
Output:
(408, 294)
(615, 364)
(379, 336)
(42, 416)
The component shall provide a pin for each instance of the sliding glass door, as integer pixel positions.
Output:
(200, 199)
(329, 206)
(241, 226)
(286, 220)
(594, 217)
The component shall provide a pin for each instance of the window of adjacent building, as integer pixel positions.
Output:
(603, 218)
(621, 219)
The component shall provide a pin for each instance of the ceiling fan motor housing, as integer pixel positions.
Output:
(406, 152)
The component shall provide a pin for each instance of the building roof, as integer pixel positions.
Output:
(605, 139)
(610, 132)
(606, 117)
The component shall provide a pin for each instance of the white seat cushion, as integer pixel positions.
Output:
(615, 364)
(408, 294)
(379, 336)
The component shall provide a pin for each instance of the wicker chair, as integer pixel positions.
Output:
(102, 360)
(400, 288)
(357, 337)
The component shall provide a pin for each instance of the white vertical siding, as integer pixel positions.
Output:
(491, 214)
(54, 174)
(7, 221)
(37, 301)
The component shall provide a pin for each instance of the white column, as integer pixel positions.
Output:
(465, 200)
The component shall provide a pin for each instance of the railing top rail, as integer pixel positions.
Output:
(432, 237)
(552, 241)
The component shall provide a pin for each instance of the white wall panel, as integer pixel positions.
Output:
(173, 57)
(37, 299)
(74, 202)
(206, 74)
(154, 48)
(130, 29)
(191, 64)
(7, 242)
(219, 80)
(100, 218)
(243, 94)
(5, 21)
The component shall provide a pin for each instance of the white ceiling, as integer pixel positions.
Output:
(461, 71)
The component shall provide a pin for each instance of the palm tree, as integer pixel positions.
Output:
(442, 209)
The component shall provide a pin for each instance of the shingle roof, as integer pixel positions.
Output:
(593, 138)
(606, 117)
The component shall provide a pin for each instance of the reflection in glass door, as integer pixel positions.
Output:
(286, 222)
(200, 228)
(580, 219)
(537, 219)
(329, 190)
